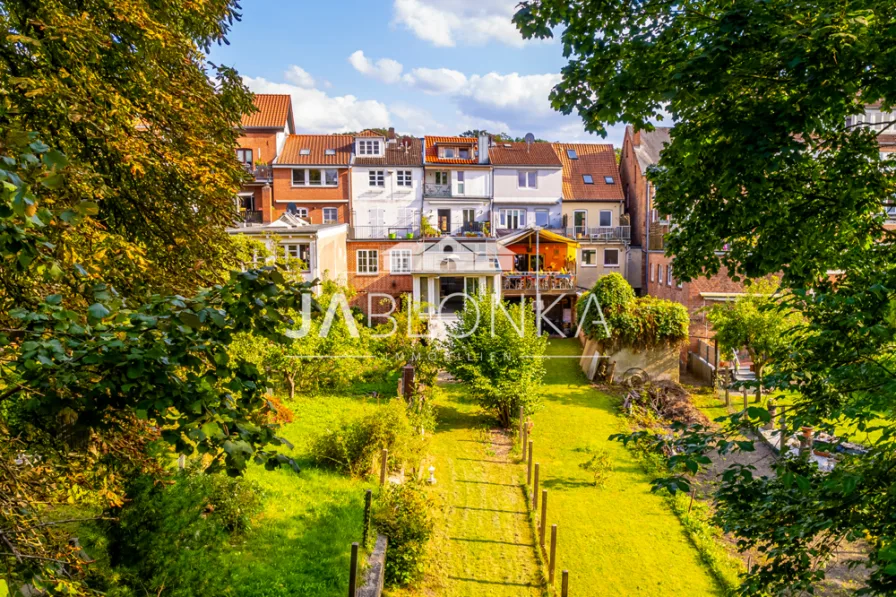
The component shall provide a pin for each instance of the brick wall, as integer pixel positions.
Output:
(385, 282)
(284, 193)
(263, 145)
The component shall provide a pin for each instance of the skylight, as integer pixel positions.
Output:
(571, 154)
(587, 178)
(609, 180)
(305, 151)
(330, 152)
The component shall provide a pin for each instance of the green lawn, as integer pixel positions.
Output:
(620, 539)
(483, 544)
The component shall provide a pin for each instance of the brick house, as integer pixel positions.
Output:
(262, 135)
(312, 180)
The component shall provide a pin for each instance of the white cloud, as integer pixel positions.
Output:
(444, 23)
(436, 80)
(384, 69)
(315, 111)
(299, 76)
(411, 119)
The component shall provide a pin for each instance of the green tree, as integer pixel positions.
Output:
(757, 322)
(495, 347)
(769, 171)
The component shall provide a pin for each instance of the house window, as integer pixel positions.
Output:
(298, 251)
(331, 178)
(586, 178)
(377, 178)
(678, 282)
(314, 178)
(331, 215)
(611, 257)
(609, 180)
(463, 154)
(301, 212)
(528, 179)
(580, 221)
(542, 218)
(512, 219)
(400, 261)
(606, 218)
(298, 178)
(668, 275)
(368, 261)
(652, 278)
(460, 182)
(305, 151)
(329, 152)
(589, 257)
(403, 178)
(571, 154)
(244, 156)
(442, 177)
(368, 147)
(659, 274)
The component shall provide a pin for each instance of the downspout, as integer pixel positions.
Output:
(647, 239)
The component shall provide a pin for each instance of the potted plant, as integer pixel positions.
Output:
(428, 229)
(409, 235)
(392, 235)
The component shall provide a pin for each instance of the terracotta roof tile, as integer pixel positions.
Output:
(369, 133)
(312, 150)
(594, 159)
(523, 154)
(432, 151)
(396, 154)
(273, 112)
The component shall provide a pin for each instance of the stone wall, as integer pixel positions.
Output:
(659, 363)
(376, 569)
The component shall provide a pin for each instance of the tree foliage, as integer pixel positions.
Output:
(495, 347)
(765, 174)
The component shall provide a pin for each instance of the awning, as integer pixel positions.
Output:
(531, 235)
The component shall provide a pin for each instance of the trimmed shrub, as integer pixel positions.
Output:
(353, 446)
(402, 514)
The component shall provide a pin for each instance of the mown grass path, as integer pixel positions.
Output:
(483, 544)
(620, 539)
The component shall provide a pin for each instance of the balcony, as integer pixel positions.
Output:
(467, 229)
(249, 217)
(434, 261)
(436, 190)
(385, 232)
(524, 283)
(601, 234)
(260, 173)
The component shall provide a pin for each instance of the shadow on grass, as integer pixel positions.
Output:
(493, 582)
(565, 483)
(490, 510)
(514, 543)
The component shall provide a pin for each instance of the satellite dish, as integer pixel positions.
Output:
(530, 138)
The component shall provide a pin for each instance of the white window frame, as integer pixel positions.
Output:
(659, 274)
(618, 260)
(404, 178)
(301, 212)
(442, 177)
(593, 258)
(240, 154)
(526, 178)
(334, 211)
(376, 178)
(547, 214)
(669, 276)
(461, 151)
(600, 217)
(294, 251)
(652, 277)
(368, 262)
(506, 215)
(400, 261)
(461, 182)
(368, 147)
(306, 177)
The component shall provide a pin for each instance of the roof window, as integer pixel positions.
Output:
(329, 152)
(571, 154)
(587, 179)
(304, 151)
(609, 180)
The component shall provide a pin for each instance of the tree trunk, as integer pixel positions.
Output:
(759, 367)
(291, 380)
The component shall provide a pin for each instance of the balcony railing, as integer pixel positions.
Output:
(607, 234)
(260, 173)
(526, 282)
(436, 190)
(385, 232)
(471, 229)
(249, 217)
(461, 262)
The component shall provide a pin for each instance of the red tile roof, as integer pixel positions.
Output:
(596, 159)
(432, 150)
(316, 146)
(273, 112)
(396, 154)
(369, 133)
(523, 154)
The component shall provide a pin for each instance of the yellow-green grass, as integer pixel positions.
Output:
(621, 539)
(483, 544)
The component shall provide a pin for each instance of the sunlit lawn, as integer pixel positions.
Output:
(620, 539)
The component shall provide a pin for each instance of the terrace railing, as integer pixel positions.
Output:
(385, 232)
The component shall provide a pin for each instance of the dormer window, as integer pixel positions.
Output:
(369, 147)
(587, 179)
(463, 154)
(448, 152)
(329, 152)
(305, 151)
(571, 154)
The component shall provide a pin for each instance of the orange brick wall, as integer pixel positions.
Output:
(633, 185)
(285, 193)
(263, 142)
(384, 283)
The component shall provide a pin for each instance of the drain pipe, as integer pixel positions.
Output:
(647, 239)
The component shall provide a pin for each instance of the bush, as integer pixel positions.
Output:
(402, 514)
(600, 466)
(353, 447)
(169, 538)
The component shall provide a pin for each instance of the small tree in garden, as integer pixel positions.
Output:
(495, 347)
(755, 321)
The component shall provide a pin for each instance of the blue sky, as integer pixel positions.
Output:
(422, 66)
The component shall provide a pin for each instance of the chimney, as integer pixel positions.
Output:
(483, 147)
(268, 214)
(390, 136)
(636, 137)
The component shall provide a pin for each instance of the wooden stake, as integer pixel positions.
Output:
(529, 468)
(564, 584)
(368, 499)
(383, 467)
(535, 490)
(746, 400)
(553, 559)
(544, 515)
(353, 573)
(519, 436)
(525, 439)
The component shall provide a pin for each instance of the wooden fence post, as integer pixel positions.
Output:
(746, 399)
(385, 457)
(529, 467)
(544, 515)
(553, 560)
(727, 395)
(368, 498)
(564, 585)
(535, 490)
(519, 436)
(353, 573)
(525, 439)
(782, 447)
